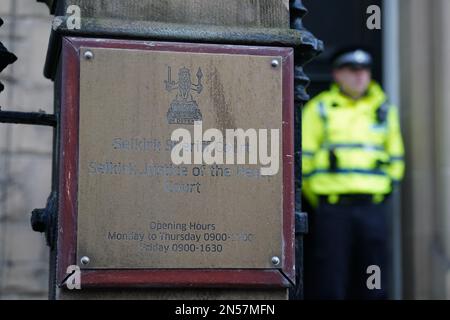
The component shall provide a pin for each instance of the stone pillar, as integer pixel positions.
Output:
(425, 66)
(238, 22)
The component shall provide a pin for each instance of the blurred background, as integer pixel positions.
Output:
(25, 151)
(412, 53)
(412, 62)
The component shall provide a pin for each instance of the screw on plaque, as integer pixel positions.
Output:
(275, 63)
(85, 260)
(89, 55)
(275, 261)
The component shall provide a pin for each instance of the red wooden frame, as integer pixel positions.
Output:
(68, 179)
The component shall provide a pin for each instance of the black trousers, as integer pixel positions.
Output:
(343, 241)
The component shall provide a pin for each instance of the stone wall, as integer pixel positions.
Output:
(425, 69)
(25, 151)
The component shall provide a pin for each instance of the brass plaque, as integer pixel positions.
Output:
(136, 208)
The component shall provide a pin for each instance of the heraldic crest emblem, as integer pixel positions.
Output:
(184, 109)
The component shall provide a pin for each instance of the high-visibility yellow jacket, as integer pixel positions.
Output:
(350, 146)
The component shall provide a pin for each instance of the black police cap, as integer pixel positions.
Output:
(352, 57)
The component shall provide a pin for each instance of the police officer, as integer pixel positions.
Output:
(352, 156)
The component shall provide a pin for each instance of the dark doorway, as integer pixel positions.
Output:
(339, 24)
